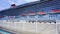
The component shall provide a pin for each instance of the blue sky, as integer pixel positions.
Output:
(4, 4)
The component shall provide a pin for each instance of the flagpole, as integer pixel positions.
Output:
(56, 25)
(57, 29)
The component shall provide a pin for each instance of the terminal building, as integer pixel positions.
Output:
(31, 16)
(39, 10)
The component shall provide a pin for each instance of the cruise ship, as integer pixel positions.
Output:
(40, 17)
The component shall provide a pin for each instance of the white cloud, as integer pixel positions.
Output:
(31, 0)
(19, 2)
(10, 1)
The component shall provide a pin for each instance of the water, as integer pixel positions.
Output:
(4, 32)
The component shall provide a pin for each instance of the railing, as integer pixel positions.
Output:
(33, 26)
(30, 21)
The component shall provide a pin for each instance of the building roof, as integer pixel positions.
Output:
(25, 5)
(42, 4)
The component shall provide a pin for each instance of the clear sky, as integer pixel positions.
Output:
(4, 4)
